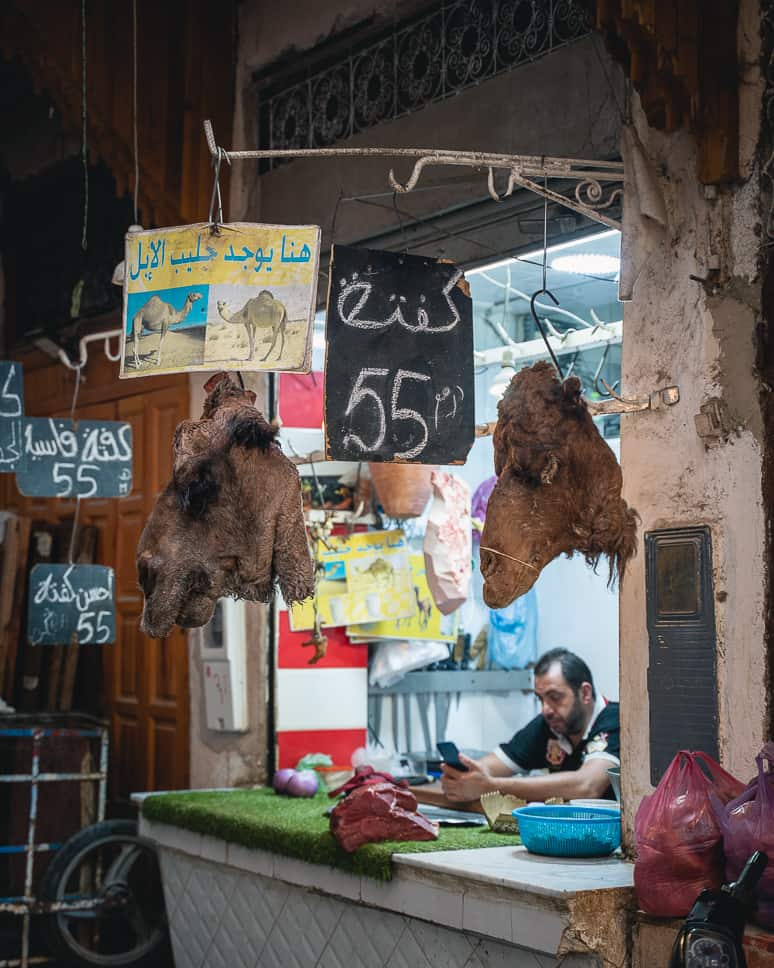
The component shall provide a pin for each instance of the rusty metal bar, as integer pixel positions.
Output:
(590, 174)
(48, 777)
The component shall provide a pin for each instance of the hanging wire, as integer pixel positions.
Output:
(74, 530)
(400, 221)
(84, 146)
(216, 222)
(545, 291)
(134, 113)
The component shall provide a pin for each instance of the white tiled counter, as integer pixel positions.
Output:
(230, 907)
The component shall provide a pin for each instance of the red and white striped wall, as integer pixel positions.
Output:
(321, 708)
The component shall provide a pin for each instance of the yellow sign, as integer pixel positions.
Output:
(367, 579)
(240, 300)
(426, 623)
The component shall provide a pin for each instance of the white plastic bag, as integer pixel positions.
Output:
(392, 659)
(448, 545)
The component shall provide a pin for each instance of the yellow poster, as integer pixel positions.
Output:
(367, 579)
(240, 300)
(426, 622)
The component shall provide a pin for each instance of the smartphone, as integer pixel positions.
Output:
(451, 756)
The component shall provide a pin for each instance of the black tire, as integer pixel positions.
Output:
(131, 909)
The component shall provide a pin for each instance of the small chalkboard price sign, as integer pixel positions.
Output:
(71, 600)
(399, 366)
(92, 458)
(11, 414)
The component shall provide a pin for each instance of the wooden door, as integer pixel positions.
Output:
(146, 685)
(145, 681)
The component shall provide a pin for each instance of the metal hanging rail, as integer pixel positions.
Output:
(597, 188)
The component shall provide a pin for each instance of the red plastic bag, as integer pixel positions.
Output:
(678, 837)
(747, 824)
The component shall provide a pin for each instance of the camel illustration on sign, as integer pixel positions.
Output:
(156, 316)
(261, 312)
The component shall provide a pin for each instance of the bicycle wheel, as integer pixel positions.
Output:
(110, 865)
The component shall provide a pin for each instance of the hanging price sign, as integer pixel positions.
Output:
(399, 366)
(67, 601)
(62, 459)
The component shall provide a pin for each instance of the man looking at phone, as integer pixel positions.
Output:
(576, 738)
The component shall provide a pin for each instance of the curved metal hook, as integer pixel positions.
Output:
(493, 190)
(607, 391)
(546, 292)
(416, 171)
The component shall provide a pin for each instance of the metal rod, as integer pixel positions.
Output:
(48, 777)
(589, 174)
(537, 164)
(30, 852)
(103, 769)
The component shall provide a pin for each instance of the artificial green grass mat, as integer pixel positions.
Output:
(297, 827)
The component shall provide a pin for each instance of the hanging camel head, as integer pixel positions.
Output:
(558, 488)
(229, 522)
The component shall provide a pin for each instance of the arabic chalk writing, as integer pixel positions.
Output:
(399, 365)
(11, 411)
(62, 459)
(71, 600)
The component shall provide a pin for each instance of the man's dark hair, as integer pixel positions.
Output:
(574, 669)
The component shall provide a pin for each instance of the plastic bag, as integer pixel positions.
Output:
(677, 835)
(513, 639)
(392, 659)
(448, 544)
(478, 505)
(748, 825)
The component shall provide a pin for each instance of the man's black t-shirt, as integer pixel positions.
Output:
(537, 747)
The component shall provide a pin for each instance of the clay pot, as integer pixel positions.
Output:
(403, 490)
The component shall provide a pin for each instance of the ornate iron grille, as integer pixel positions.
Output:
(458, 45)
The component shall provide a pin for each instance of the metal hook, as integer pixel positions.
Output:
(547, 292)
(607, 391)
(490, 184)
(396, 186)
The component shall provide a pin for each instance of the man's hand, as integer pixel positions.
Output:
(466, 786)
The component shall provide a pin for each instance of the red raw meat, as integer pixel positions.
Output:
(364, 775)
(376, 812)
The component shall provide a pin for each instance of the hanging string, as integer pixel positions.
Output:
(74, 531)
(216, 222)
(134, 113)
(76, 389)
(84, 147)
(400, 221)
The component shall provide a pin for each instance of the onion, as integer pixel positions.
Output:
(303, 784)
(281, 780)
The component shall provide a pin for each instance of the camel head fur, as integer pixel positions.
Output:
(229, 522)
(558, 488)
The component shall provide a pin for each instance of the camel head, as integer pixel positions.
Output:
(558, 488)
(223, 311)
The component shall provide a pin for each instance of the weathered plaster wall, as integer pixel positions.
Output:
(702, 338)
(230, 759)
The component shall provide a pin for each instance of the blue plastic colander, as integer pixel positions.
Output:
(569, 831)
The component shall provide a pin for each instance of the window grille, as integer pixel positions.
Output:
(456, 46)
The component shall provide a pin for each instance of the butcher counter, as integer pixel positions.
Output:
(230, 905)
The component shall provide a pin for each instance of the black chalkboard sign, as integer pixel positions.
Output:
(11, 414)
(67, 600)
(399, 364)
(62, 459)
